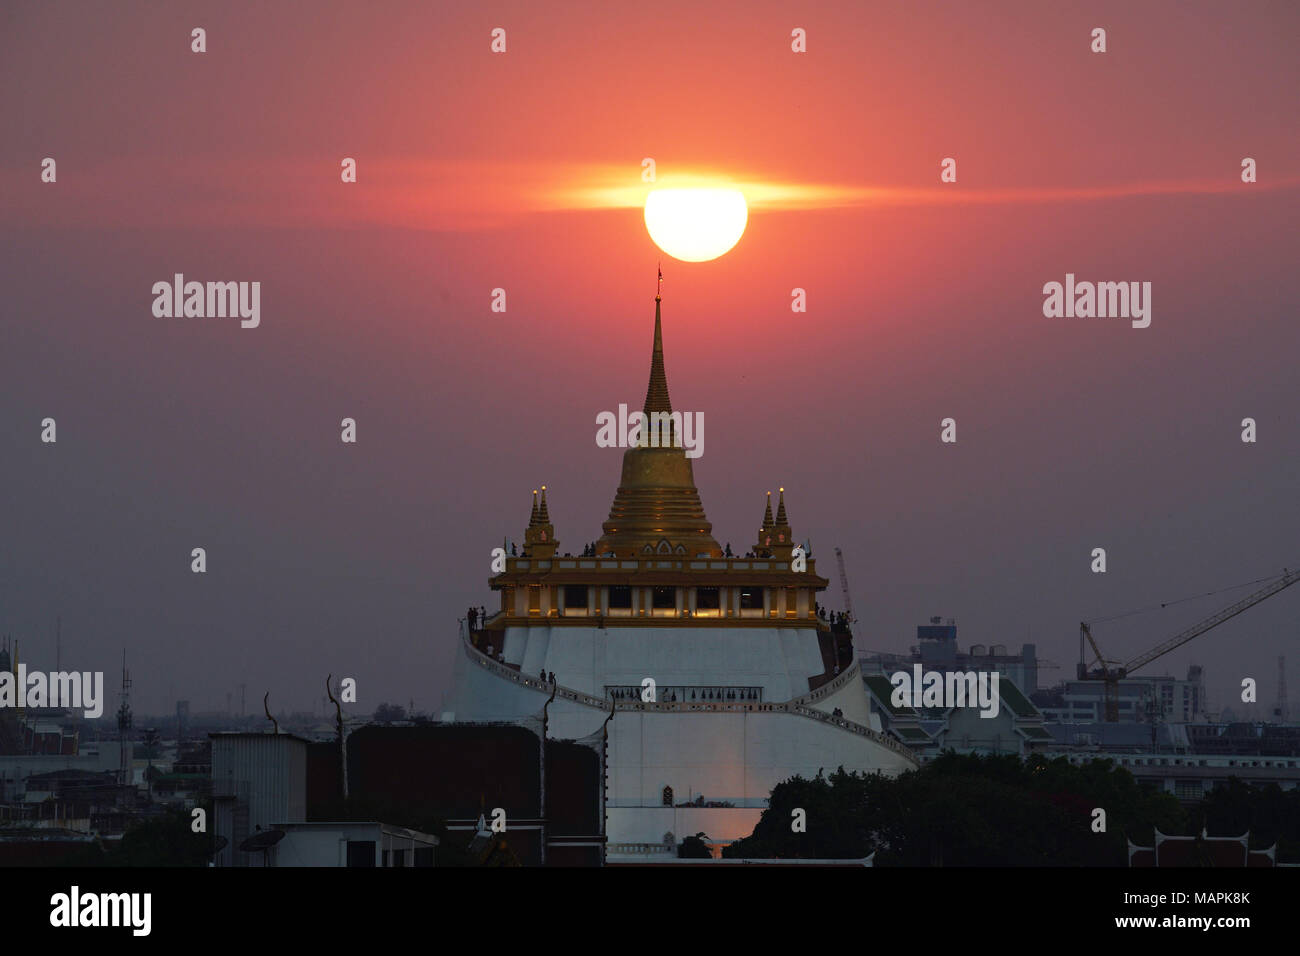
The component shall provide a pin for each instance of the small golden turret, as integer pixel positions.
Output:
(775, 539)
(539, 539)
(782, 545)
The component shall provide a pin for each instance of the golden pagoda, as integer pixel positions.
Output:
(657, 557)
(687, 668)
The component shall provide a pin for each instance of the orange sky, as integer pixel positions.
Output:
(479, 171)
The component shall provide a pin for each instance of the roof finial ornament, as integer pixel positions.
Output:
(660, 294)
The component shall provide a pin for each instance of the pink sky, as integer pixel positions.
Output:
(924, 302)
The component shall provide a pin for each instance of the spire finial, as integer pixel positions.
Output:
(660, 294)
(532, 519)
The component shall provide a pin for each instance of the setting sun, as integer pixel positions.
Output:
(696, 225)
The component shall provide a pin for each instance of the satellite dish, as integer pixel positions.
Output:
(261, 842)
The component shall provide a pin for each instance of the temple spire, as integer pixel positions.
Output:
(766, 536)
(656, 393)
(543, 516)
(780, 511)
(532, 519)
(657, 508)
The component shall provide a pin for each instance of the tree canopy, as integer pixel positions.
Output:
(694, 848)
(965, 810)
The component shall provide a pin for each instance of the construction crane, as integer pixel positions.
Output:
(1112, 672)
(844, 586)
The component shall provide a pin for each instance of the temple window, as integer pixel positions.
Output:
(620, 596)
(664, 598)
(706, 599)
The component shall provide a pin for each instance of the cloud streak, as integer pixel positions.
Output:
(467, 195)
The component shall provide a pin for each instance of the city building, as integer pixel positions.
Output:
(1244, 739)
(1191, 776)
(936, 649)
(1016, 728)
(546, 795)
(344, 844)
(1167, 698)
(258, 780)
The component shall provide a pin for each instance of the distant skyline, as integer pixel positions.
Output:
(479, 171)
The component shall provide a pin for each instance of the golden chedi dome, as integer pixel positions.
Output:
(657, 509)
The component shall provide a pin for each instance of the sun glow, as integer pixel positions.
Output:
(696, 225)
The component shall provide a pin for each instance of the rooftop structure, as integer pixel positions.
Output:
(1016, 728)
(350, 844)
(1200, 850)
(936, 648)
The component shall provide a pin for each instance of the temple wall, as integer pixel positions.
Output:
(780, 660)
(732, 756)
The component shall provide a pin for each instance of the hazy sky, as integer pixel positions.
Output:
(479, 170)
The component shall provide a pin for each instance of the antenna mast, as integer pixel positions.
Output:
(124, 725)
